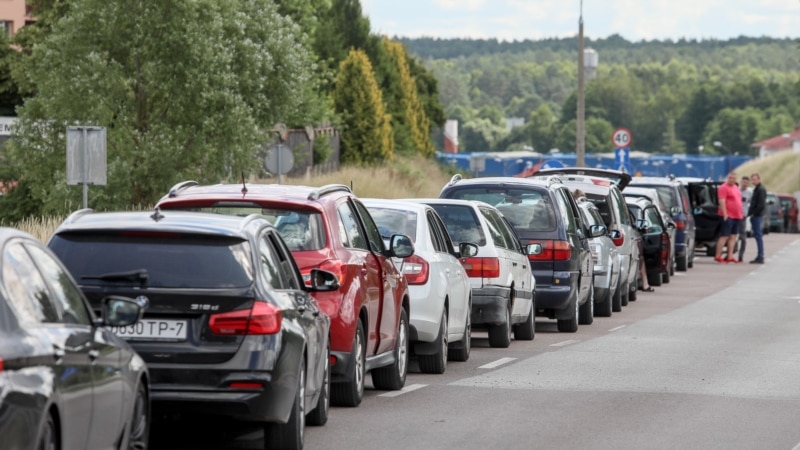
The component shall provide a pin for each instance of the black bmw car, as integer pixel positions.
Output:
(231, 329)
(66, 380)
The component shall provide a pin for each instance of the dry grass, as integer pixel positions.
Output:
(779, 173)
(40, 227)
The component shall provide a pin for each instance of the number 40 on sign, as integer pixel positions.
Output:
(621, 138)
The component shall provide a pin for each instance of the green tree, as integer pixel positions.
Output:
(408, 110)
(367, 132)
(342, 27)
(735, 129)
(185, 89)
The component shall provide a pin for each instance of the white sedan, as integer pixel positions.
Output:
(438, 285)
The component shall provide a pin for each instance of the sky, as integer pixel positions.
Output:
(635, 20)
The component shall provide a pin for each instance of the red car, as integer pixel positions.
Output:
(789, 207)
(329, 228)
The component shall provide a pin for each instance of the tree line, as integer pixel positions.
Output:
(675, 96)
(194, 89)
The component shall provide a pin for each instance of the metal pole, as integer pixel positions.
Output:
(581, 130)
(280, 166)
(85, 175)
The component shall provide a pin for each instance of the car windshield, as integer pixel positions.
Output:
(300, 229)
(394, 221)
(526, 209)
(462, 224)
(157, 261)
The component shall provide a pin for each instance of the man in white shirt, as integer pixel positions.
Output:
(747, 194)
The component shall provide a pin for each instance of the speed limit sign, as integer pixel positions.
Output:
(621, 138)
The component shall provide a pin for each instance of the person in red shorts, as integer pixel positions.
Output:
(730, 208)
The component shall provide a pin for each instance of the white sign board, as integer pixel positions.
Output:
(621, 138)
(6, 123)
(86, 155)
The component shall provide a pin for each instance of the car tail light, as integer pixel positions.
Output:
(262, 318)
(335, 267)
(416, 270)
(481, 267)
(619, 241)
(1, 364)
(552, 251)
(680, 225)
(246, 385)
(664, 250)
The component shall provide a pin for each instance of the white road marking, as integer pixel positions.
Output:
(617, 328)
(497, 363)
(405, 390)
(565, 343)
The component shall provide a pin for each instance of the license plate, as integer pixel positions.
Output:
(154, 329)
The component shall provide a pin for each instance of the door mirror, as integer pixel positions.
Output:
(534, 249)
(323, 281)
(401, 246)
(123, 311)
(598, 230)
(467, 250)
(675, 210)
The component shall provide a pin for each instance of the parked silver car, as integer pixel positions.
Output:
(606, 261)
(500, 275)
(438, 285)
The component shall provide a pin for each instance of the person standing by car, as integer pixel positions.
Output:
(730, 208)
(758, 203)
(747, 193)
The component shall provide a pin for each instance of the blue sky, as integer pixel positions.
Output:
(634, 20)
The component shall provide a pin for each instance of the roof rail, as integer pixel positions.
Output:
(456, 178)
(327, 189)
(174, 190)
(554, 179)
(72, 218)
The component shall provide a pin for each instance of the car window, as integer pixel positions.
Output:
(462, 224)
(492, 222)
(505, 229)
(653, 218)
(69, 298)
(373, 235)
(685, 200)
(443, 242)
(528, 209)
(350, 228)
(170, 261)
(565, 210)
(619, 204)
(26, 289)
(288, 267)
(268, 264)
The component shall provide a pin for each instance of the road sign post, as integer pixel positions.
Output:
(86, 158)
(622, 139)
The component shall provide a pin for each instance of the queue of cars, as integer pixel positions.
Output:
(268, 303)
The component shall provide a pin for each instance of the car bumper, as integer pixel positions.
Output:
(489, 305)
(426, 313)
(558, 295)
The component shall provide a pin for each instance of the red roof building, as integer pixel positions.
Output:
(785, 142)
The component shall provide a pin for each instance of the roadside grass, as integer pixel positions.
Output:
(406, 177)
(779, 173)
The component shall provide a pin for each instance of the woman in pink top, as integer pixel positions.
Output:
(730, 208)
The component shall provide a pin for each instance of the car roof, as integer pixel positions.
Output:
(396, 204)
(662, 181)
(640, 201)
(7, 233)
(457, 180)
(588, 184)
(188, 191)
(618, 177)
(160, 221)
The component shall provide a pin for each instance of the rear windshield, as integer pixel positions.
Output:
(667, 195)
(300, 229)
(526, 209)
(394, 221)
(462, 224)
(183, 262)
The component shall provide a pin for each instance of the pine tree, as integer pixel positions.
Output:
(367, 132)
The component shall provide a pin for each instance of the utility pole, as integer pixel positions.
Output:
(580, 134)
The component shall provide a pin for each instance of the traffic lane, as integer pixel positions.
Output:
(717, 371)
(351, 426)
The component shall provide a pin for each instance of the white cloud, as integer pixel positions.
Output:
(469, 5)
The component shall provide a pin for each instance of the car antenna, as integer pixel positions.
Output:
(156, 216)
(244, 187)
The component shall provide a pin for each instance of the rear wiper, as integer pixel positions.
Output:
(139, 275)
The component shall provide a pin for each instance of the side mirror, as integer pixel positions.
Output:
(580, 233)
(467, 250)
(323, 281)
(120, 311)
(615, 234)
(697, 211)
(675, 210)
(671, 225)
(597, 230)
(534, 249)
(401, 246)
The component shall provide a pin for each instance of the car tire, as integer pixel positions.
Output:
(139, 431)
(586, 311)
(682, 263)
(500, 335)
(604, 308)
(626, 294)
(350, 392)
(460, 350)
(526, 331)
(437, 363)
(48, 438)
(616, 299)
(665, 277)
(393, 377)
(319, 415)
(654, 279)
(570, 325)
(291, 433)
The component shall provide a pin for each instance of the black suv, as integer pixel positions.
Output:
(543, 213)
(231, 330)
(674, 194)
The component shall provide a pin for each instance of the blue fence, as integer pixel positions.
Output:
(499, 164)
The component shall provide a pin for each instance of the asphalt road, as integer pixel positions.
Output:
(710, 360)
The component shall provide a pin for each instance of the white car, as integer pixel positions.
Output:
(438, 285)
(499, 273)
(604, 256)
